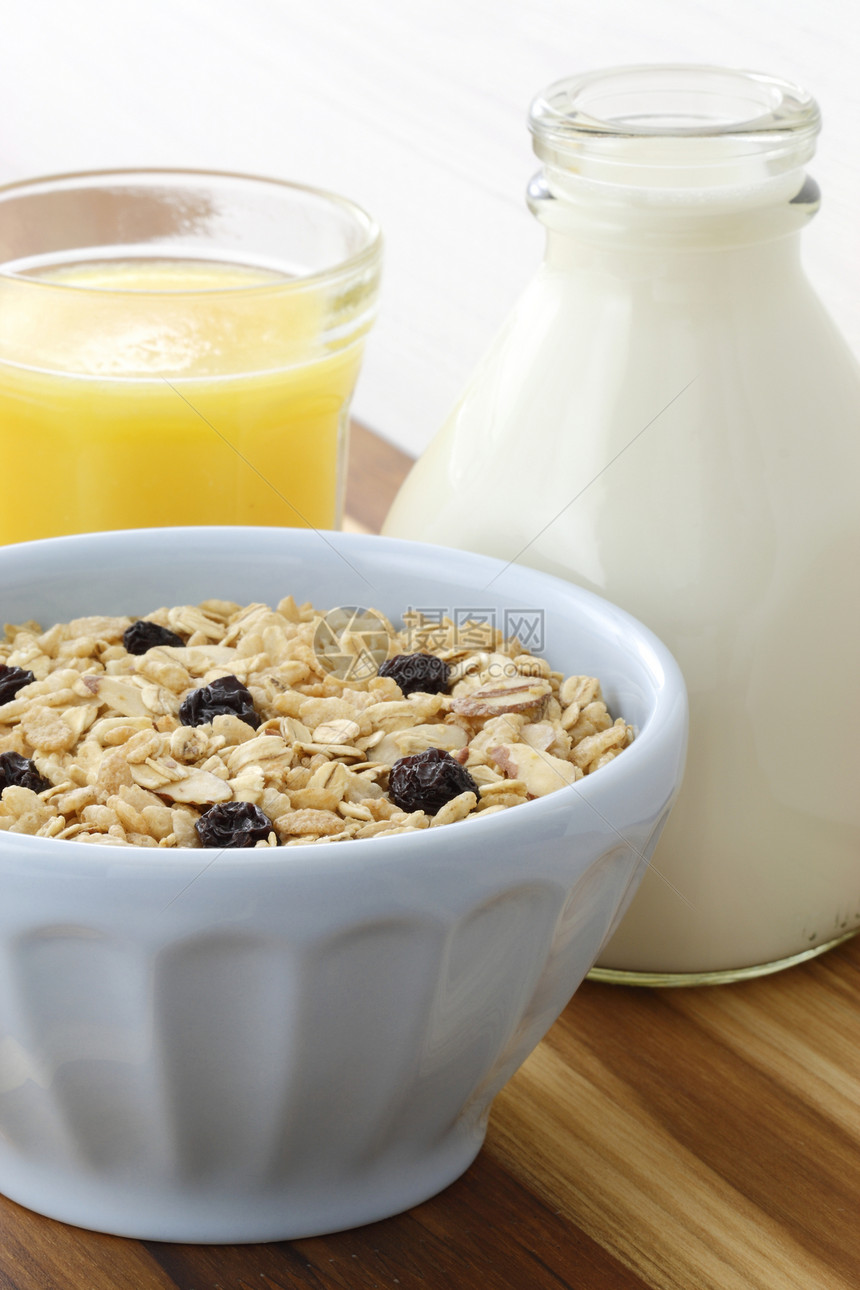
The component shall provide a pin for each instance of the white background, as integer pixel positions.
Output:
(416, 109)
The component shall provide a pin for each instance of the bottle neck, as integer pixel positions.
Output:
(689, 220)
(676, 157)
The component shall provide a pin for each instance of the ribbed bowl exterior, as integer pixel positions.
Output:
(261, 1045)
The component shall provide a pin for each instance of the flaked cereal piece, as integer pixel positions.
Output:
(309, 749)
(260, 749)
(158, 821)
(274, 802)
(355, 811)
(531, 665)
(290, 673)
(198, 660)
(248, 785)
(112, 731)
(160, 702)
(383, 689)
(71, 801)
(193, 743)
(483, 774)
(105, 839)
(457, 809)
(492, 807)
(294, 731)
(547, 736)
(316, 712)
(52, 828)
(99, 817)
(121, 695)
(138, 796)
(394, 829)
(77, 647)
(403, 743)
(99, 626)
(505, 800)
(127, 815)
(579, 689)
(288, 609)
(250, 643)
(380, 808)
(50, 640)
(396, 821)
(288, 704)
(497, 730)
(56, 684)
(190, 620)
(138, 839)
(184, 830)
(342, 730)
(29, 658)
(71, 830)
(200, 787)
(401, 714)
(332, 776)
(540, 772)
(48, 730)
(22, 810)
(56, 698)
(231, 729)
(497, 787)
(512, 694)
(79, 718)
(308, 822)
(351, 786)
(143, 745)
(299, 776)
(222, 610)
(538, 735)
(242, 667)
(592, 719)
(11, 740)
(314, 799)
(159, 667)
(589, 751)
(13, 630)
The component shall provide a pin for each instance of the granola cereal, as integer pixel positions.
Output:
(287, 717)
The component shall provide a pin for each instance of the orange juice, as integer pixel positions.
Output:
(139, 392)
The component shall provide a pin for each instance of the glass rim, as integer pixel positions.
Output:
(559, 114)
(367, 255)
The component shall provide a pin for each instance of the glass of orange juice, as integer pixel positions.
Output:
(178, 348)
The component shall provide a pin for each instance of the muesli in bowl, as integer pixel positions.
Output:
(225, 725)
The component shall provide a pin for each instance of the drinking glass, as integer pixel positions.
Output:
(178, 348)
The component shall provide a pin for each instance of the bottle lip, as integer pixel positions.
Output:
(675, 124)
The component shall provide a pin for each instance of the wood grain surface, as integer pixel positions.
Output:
(694, 1139)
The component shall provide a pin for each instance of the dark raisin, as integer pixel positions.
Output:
(424, 672)
(233, 824)
(427, 780)
(144, 635)
(13, 679)
(20, 771)
(226, 695)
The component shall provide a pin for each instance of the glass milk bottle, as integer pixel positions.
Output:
(670, 419)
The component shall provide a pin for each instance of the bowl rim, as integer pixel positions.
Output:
(669, 703)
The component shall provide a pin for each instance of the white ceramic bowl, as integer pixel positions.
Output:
(261, 1045)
